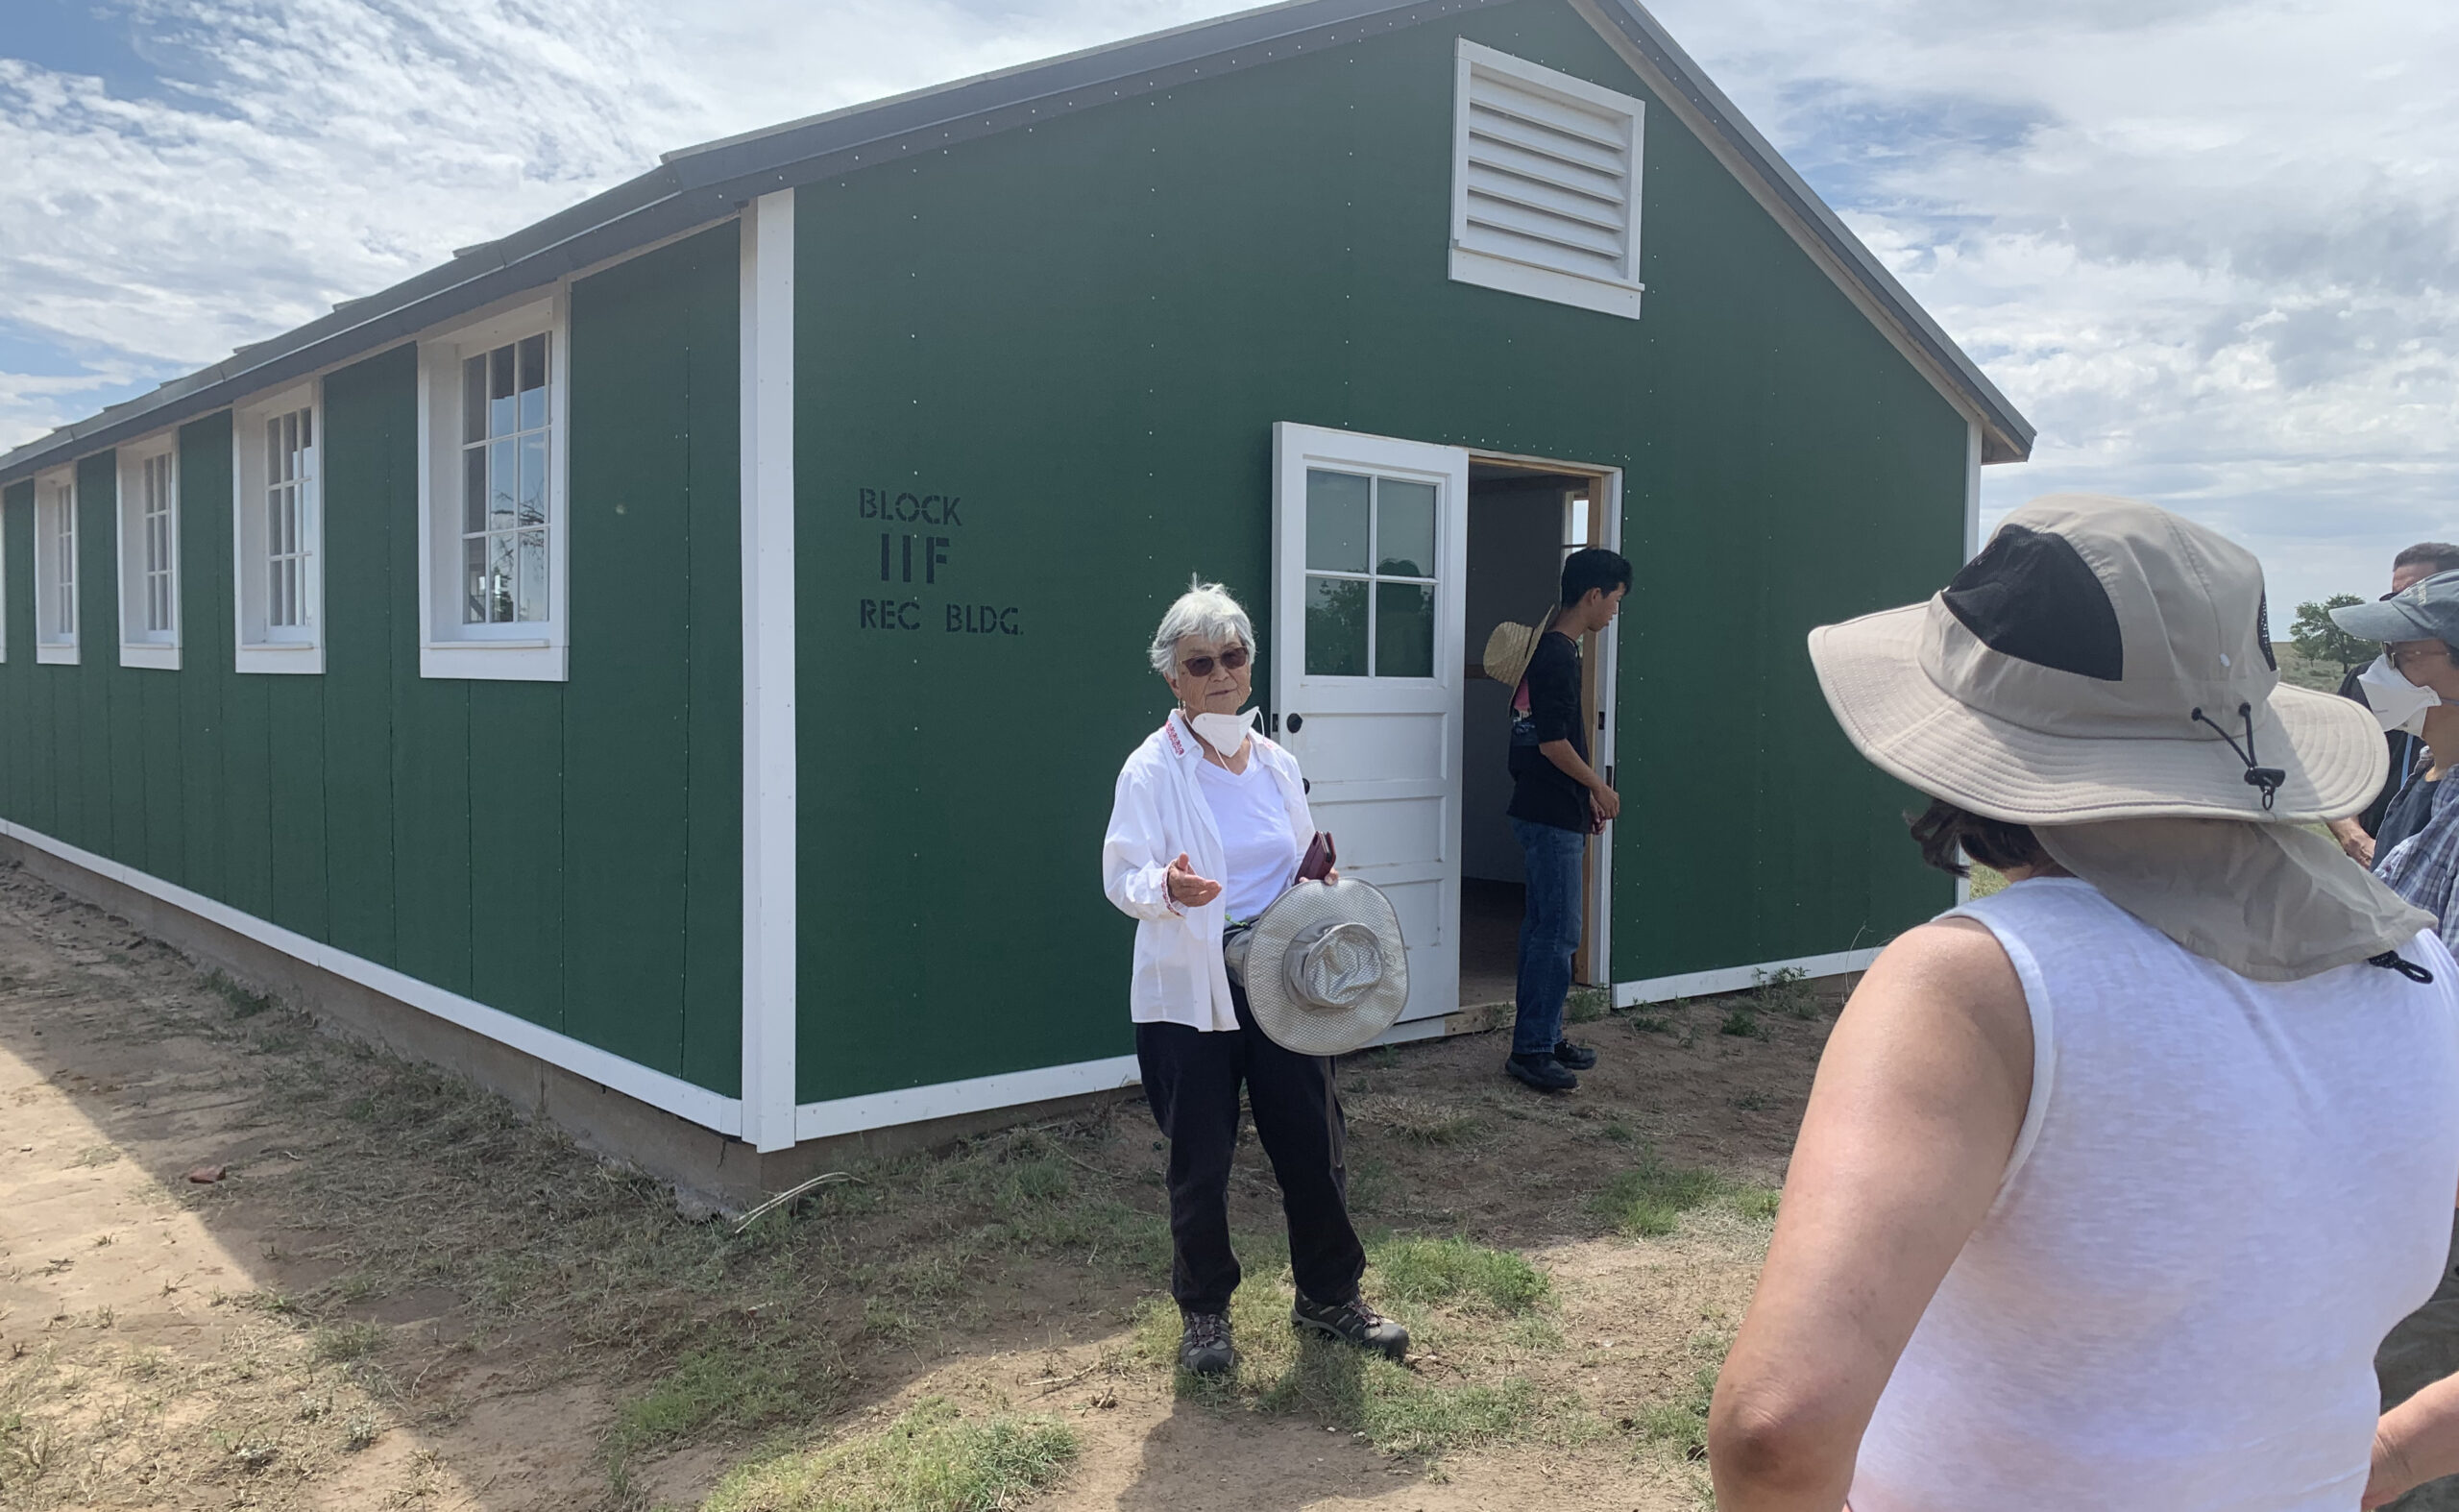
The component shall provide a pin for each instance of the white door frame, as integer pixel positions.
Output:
(1599, 902)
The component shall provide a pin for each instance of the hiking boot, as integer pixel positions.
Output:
(1575, 1057)
(1204, 1344)
(1352, 1321)
(1542, 1072)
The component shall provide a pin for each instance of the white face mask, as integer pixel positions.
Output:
(2396, 702)
(1224, 732)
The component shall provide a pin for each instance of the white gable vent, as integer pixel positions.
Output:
(1545, 183)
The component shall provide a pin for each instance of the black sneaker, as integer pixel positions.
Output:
(1542, 1072)
(1352, 1321)
(1578, 1058)
(1204, 1344)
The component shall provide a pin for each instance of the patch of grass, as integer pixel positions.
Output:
(1649, 1199)
(1742, 1024)
(343, 1342)
(97, 1155)
(931, 1459)
(1431, 1272)
(1756, 1202)
(1751, 1102)
(1651, 1023)
(1619, 1131)
(245, 1001)
(1587, 1005)
(732, 1383)
(1420, 1120)
(1786, 990)
(1680, 1426)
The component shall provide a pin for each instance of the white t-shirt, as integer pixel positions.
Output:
(1253, 821)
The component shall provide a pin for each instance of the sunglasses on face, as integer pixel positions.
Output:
(1230, 660)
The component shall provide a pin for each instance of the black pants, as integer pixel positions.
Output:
(1191, 1078)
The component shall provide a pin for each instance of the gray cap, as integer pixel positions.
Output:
(2429, 611)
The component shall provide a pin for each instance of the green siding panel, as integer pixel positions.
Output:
(431, 815)
(102, 827)
(370, 482)
(205, 636)
(295, 799)
(651, 464)
(712, 735)
(26, 772)
(515, 851)
(1086, 332)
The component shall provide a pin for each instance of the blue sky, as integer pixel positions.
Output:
(2209, 246)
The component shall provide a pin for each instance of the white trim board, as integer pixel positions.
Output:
(670, 1094)
(1736, 979)
(913, 1104)
(769, 1028)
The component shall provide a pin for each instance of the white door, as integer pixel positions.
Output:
(1370, 549)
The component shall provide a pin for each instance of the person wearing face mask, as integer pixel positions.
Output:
(2356, 834)
(2410, 688)
(1208, 826)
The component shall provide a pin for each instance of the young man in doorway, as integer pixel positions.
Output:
(1558, 800)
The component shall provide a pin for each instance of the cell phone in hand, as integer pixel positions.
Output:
(1319, 858)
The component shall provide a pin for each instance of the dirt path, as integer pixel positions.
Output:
(400, 1295)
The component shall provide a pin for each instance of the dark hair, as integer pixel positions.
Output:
(1942, 829)
(1594, 567)
(2439, 555)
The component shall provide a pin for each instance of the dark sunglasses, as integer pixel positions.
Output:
(1202, 665)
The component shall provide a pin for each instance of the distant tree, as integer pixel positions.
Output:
(2318, 640)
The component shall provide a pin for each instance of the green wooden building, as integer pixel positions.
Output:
(673, 661)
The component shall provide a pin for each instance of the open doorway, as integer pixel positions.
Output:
(1524, 516)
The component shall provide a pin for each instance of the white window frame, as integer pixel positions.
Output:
(140, 645)
(527, 651)
(53, 491)
(1618, 295)
(261, 648)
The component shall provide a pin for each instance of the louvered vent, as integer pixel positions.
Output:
(1546, 173)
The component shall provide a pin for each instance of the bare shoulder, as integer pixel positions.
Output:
(1951, 975)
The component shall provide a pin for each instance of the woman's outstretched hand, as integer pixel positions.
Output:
(1186, 889)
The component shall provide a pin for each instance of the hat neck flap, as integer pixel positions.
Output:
(2271, 902)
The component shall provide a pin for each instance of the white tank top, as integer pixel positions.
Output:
(2223, 1195)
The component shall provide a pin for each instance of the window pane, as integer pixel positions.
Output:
(1404, 631)
(1336, 627)
(533, 382)
(531, 588)
(1405, 527)
(499, 403)
(306, 429)
(503, 475)
(474, 399)
(473, 490)
(499, 575)
(533, 480)
(473, 581)
(276, 459)
(1336, 520)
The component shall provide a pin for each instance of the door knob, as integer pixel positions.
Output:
(1297, 721)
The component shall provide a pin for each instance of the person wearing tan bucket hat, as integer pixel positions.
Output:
(2111, 1183)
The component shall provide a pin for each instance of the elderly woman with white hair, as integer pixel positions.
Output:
(1208, 826)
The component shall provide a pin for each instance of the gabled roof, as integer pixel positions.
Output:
(697, 185)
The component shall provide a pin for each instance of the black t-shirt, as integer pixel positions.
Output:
(1542, 792)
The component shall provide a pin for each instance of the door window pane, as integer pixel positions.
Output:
(1336, 627)
(1404, 631)
(1405, 528)
(1336, 505)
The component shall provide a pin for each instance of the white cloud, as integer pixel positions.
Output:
(2209, 247)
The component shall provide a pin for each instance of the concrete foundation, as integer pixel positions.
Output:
(711, 1172)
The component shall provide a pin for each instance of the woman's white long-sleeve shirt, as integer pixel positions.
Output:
(1157, 813)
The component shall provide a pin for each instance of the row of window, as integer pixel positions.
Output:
(491, 571)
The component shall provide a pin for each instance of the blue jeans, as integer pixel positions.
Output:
(1548, 932)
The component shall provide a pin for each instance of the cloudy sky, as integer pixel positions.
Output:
(2211, 247)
